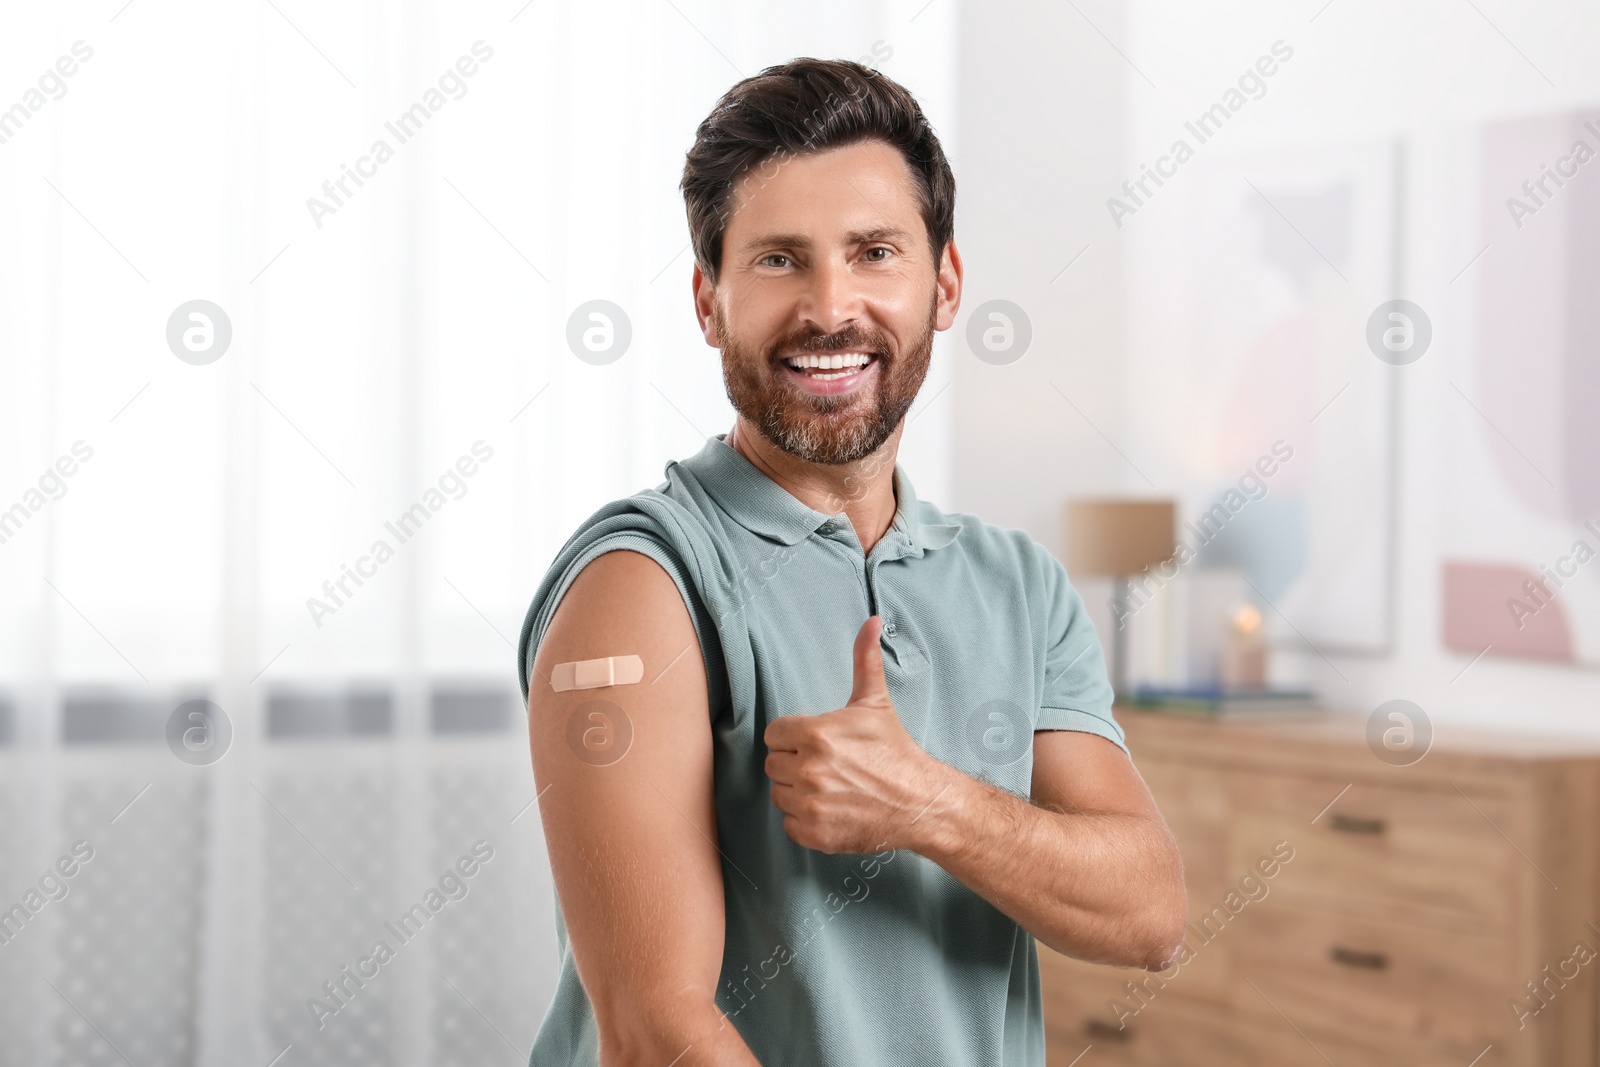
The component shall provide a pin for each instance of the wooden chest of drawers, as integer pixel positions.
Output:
(1349, 912)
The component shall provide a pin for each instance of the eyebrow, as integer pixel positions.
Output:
(796, 240)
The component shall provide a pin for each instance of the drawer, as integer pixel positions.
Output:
(1077, 1016)
(1344, 974)
(1423, 854)
(1104, 1002)
(1084, 993)
(1207, 976)
(1177, 1033)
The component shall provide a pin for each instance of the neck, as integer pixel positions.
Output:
(863, 490)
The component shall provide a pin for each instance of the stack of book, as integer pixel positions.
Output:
(1216, 702)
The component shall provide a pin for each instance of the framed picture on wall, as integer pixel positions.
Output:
(1520, 571)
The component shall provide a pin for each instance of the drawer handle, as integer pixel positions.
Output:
(1366, 961)
(1351, 824)
(1104, 1031)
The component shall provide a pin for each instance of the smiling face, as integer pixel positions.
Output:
(827, 300)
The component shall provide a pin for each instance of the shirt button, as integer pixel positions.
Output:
(888, 628)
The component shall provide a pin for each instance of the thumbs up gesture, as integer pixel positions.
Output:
(851, 780)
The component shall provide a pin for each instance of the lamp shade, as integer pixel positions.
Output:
(1118, 537)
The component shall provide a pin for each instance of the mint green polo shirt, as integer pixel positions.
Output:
(836, 960)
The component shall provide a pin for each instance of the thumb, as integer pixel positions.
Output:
(869, 686)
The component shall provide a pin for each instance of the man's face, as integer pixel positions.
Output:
(826, 257)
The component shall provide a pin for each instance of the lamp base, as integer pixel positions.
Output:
(1119, 639)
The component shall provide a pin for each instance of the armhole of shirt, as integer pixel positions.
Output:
(1061, 711)
(704, 625)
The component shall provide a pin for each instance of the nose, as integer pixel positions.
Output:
(831, 299)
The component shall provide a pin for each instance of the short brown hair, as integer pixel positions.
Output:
(804, 106)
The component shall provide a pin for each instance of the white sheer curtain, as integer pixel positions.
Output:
(373, 340)
(396, 341)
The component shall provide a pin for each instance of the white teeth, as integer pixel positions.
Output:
(834, 362)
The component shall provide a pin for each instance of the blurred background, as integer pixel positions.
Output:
(321, 329)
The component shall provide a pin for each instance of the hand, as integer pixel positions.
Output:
(852, 780)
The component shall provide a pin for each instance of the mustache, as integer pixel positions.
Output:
(851, 337)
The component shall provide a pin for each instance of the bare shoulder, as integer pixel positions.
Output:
(620, 595)
(622, 604)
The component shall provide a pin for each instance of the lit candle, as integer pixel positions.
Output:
(1244, 656)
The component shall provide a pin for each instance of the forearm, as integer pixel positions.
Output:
(1105, 887)
(688, 1034)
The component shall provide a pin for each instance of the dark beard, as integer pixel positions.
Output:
(831, 430)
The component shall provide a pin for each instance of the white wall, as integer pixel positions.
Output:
(1036, 172)
(1041, 120)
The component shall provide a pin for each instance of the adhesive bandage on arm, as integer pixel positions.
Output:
(596, 673)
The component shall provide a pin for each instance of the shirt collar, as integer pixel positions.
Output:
(764, 507)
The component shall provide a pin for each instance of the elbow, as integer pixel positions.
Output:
(653, 1030)
(1164, 921)
(633, 1045)
(1146, 933)
(1141, 921)
(1156, 924)
(627, 1037)
(1152, 937)
(1163, 941)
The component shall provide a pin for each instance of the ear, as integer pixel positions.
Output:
(948, 286)
(705, 295)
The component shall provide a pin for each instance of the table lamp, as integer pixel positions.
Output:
(1118, 539)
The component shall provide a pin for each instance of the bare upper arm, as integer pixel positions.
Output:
(1076, 771)
(631, 842)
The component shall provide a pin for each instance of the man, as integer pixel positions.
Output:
(865, 754)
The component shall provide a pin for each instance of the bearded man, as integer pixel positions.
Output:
(817, 762)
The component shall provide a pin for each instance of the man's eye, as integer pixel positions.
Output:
(776, 255)
(886, 253)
